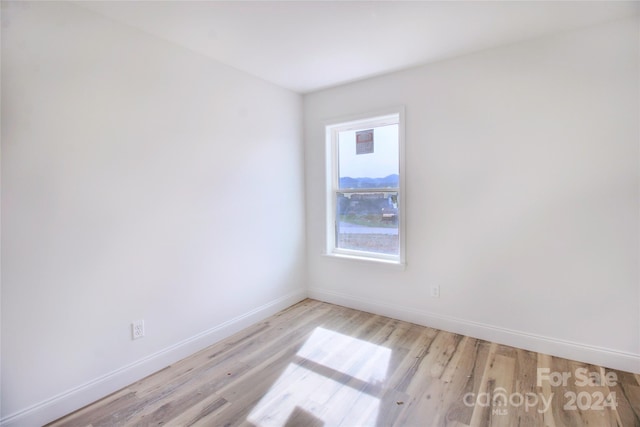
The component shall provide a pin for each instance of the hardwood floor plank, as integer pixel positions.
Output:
(562, 416)
(478, 354)
(628, 399)
(109, 405)
(417, 342)
(429, 402)
(456, 376)
(528, 414)
(201, 413)
(546, 394)
(481, 415)
(316, 364)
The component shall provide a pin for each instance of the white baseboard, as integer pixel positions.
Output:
(71, 400)
(599, 356)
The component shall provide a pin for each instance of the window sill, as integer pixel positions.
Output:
(386, 263)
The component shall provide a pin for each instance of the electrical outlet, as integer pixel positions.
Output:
(435, 291)
(137, 329)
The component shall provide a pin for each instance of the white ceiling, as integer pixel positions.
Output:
(305, 46)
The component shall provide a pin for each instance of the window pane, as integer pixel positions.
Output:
(367, 222)
(368, 164)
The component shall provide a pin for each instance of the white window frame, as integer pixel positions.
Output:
(390, 116)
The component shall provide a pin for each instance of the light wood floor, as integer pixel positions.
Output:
(317, 364)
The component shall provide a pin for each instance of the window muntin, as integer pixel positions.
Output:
(364, 212)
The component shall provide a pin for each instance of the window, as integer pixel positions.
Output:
(364, 188)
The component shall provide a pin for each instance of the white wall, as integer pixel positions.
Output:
(139, 181)
(522, 195)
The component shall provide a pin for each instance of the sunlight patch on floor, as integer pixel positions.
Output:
(329, 382)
